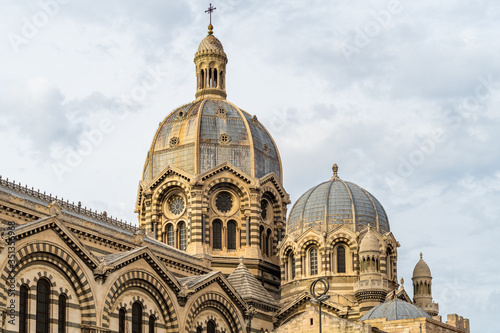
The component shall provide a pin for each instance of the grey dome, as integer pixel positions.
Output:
(394, 310)
(422, 269)
(344, 203)
(206, 133)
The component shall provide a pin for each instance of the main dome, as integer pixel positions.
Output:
(337, 202)
(205, 133)
(211, 131)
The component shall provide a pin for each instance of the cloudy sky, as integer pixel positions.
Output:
(401, 94)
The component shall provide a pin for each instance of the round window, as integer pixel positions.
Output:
(177, 205)
(224, 202)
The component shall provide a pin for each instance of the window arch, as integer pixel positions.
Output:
(268, 243)
(61, 319)
(313, 261)
(43, 306)
(23, 309)
(121, 320)
(231, 235)
(261, 238)
(182, 236)
(217, 235)
(169, 235)
(341, 263)
(136, 317)
(152, 321)
(211, 326)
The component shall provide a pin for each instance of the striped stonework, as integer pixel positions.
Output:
(143, 281)
(45, 253)
(213, 301)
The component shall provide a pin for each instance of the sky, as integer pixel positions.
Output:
(400, 94)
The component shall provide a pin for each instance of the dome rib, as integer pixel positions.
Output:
(354, 220)
(373, 205)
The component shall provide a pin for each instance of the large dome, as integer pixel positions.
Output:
(208, 132)
(343, 203)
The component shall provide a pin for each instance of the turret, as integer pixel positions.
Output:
(422, 288)
(372, 287)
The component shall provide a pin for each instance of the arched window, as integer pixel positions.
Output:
(170, 235)
(341, 259)
(61, 319)
(291, 266)
(182, 236)
(199, 329)
(268, 245)
(313, 261)
(231, 235)
(42, 306)
(211, 326)
(217, 235)
(261, 238)
(23, 309)
(136, 317)
(121, 320)
(152, 321)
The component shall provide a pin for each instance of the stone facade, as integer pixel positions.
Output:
(213, 251)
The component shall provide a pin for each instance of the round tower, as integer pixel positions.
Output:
(422, 288)
(372, 287)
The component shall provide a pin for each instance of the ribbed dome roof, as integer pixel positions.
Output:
(369, 243)
(210, 43)
(394, 310)
(421, 269)
(203, 134)
(337, 202)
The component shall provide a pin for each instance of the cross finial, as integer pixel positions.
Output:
(209, 11)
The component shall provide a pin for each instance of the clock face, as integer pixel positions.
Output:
(177, 205)
(224, 202)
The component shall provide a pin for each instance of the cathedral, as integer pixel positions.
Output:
(215, 249)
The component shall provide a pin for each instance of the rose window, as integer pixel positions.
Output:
(224, 138)
(224, 202)
(263, 209)
(174, 141)
(177, 205)
(221, 112)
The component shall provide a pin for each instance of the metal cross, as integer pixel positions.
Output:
(209, 11)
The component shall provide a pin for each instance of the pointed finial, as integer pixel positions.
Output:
(402, 282)
(421, 256)
(241, 259)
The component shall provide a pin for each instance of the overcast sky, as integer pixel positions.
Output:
(402, 95)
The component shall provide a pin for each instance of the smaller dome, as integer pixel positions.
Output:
(369, 243)
(395, 309)
(210, 43)
(421, 269)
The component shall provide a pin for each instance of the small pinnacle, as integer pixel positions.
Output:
(241, 259)
(210, 29)
(421, 256)
(335, 169)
